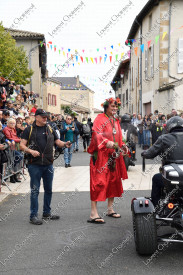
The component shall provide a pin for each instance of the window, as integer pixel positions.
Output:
(180, 56)
(123, 101)
(132, 78)
(146, 65)
(54, 102)
(127, 97)
(150, 21)
(138, 70)
(127, 75)
(151, 61)
(49, 99)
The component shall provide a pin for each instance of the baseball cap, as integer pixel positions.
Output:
(41, 112)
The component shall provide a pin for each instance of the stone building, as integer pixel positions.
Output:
(37, 57)
(156, 62)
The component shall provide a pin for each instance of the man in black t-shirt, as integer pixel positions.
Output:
(38, 141)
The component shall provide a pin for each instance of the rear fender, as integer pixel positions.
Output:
(142, 205)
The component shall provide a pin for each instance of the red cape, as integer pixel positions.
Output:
(105, 183)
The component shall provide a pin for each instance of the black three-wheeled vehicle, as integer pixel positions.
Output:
(147, 219)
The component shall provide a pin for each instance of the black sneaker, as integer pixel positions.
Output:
(51, 217)
(35, 220)
(66, 165)
(77, 150)
(69, 165)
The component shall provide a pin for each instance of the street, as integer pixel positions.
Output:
(71, 245)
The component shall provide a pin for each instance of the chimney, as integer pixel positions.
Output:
(77, 81)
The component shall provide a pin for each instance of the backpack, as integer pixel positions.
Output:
(86, 129)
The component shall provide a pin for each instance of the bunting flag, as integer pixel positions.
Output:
(112, 46)
(129, 53)
(133, 40)
(110, 57)
(63, 53)
(83, 51)
(105, 59)
(95, 59)
(110, 52)
(67, 55)
(72, 56)
(100, 58)
(149, 43)
(142, 47)
(81, 58)
(92, 59)
(105, 48)
(50, 42)
(122, 55)
(51, 46)
(54, 48)
(69, 50)
(119, 44)
(48, 46)
(156, 39)
(164, 34)
(41, 44)
(97, 50)
(76, 58)
(73, 64)
(136, 50)
(116, 57)
(59, 51)
(86, 59)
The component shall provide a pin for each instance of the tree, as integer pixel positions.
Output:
(13, 59)
(68, 111)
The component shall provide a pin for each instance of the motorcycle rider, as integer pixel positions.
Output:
(130, 134)
(170, 148)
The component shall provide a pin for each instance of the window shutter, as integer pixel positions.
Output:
(180, 56)
(48, 99)
(152, 61)
(146, 64)
(55, 100)
(140, 73)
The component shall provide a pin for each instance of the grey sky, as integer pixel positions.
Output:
(79, 33)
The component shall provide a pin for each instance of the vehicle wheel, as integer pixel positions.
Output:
(145, 233)
(127, 162)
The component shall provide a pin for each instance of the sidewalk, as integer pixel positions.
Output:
(78, 177)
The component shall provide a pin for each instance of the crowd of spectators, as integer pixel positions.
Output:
(17, 111)
(151, 126)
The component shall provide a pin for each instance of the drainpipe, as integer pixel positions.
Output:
(140, 91)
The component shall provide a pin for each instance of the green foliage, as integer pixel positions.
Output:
(13, 59)
(68, 111)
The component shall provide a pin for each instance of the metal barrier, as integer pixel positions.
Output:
(9, 168)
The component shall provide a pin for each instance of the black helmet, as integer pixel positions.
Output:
(126, 118)
(174, 122)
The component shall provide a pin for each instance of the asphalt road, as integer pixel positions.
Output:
(83, 159)
(72, 246)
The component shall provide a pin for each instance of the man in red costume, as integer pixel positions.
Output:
(107, 167)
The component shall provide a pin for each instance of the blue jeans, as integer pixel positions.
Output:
(140, 138)
(146, 136)
(76, 144)
(68, 154)
(37, 172)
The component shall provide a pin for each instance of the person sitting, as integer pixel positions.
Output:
(170, 146)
